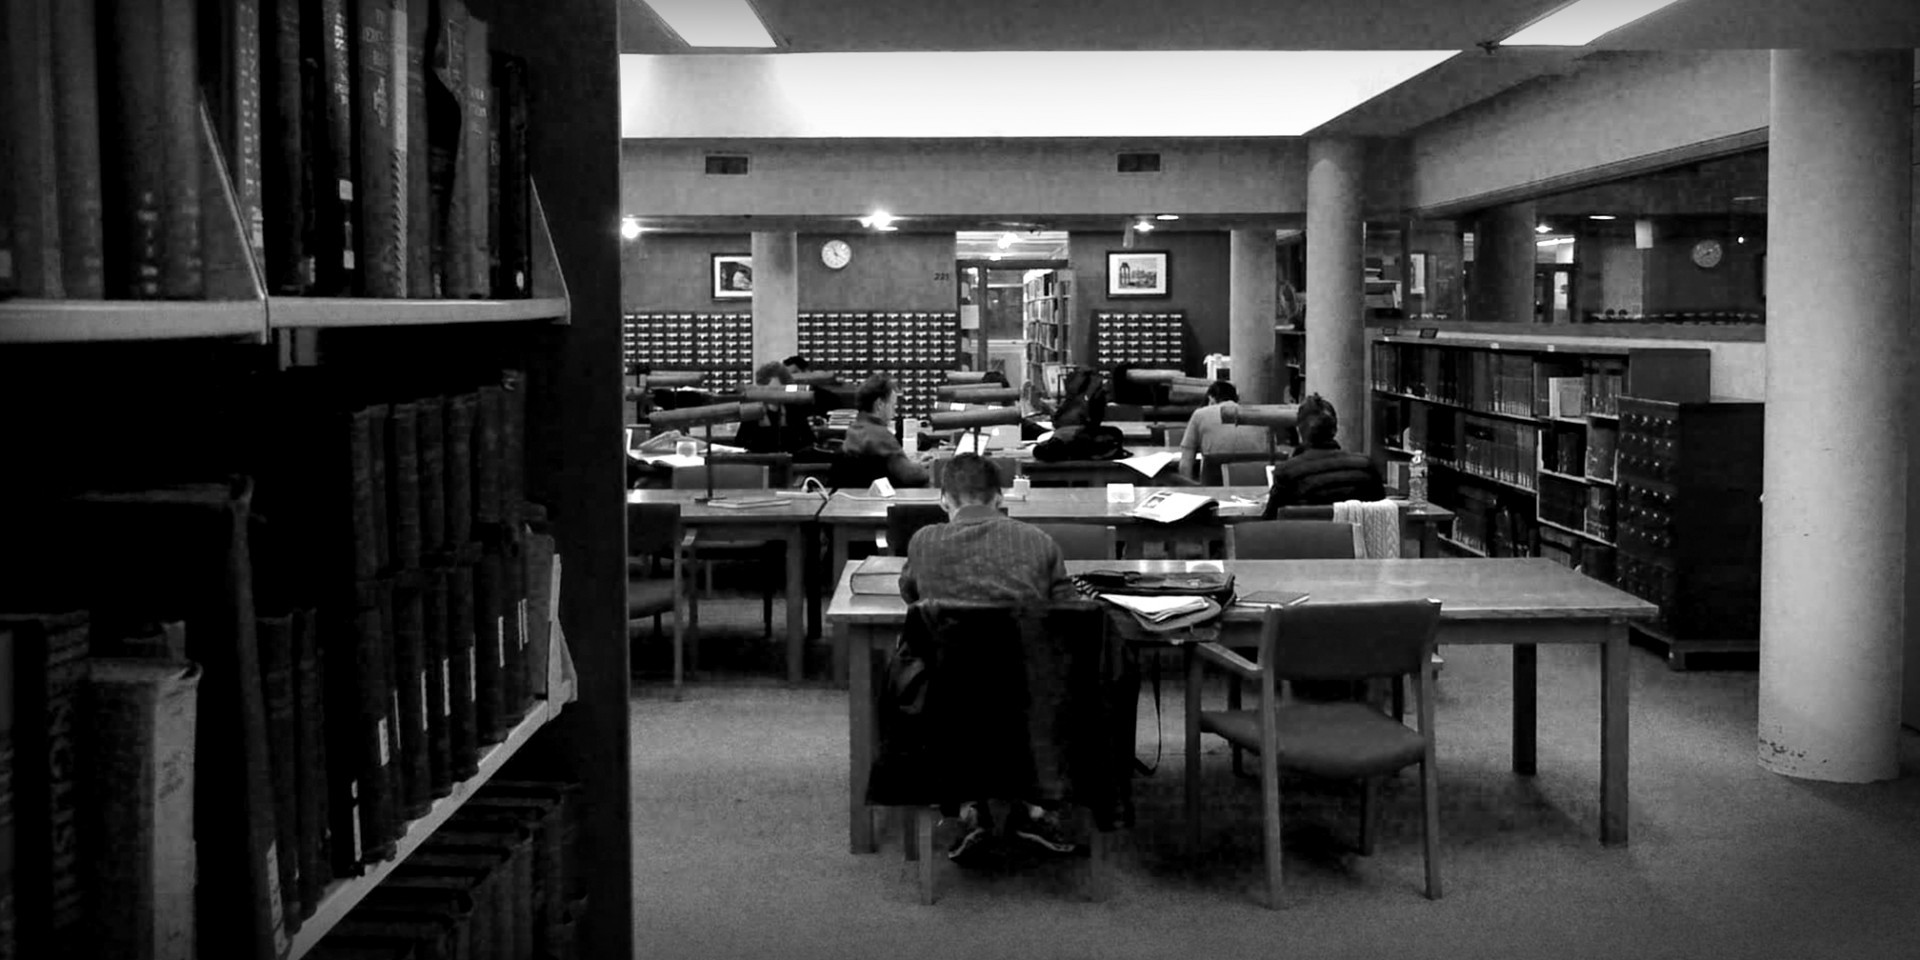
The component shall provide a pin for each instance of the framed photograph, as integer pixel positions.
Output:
(732, 276)
(1137, 273)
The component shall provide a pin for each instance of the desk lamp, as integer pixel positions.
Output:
(669, 379)
(974, 420)
(816, 377)
(1273, 416)
(976, 393)
(966, 376)
(707, 416)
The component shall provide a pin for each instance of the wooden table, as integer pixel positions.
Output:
(1519, 603)
(790, 522)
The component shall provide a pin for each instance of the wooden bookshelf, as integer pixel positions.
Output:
(106, 321)
(1046, 311)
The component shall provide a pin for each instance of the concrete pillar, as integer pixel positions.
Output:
(776, 296)
(1833, 535)
(1504, 249)
(1253, 286)
(1336, 330)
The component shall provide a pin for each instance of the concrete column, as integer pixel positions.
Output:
(776, 296)
(1336, 331)
(1253, 285)
(1833, 537)
(1504, 248)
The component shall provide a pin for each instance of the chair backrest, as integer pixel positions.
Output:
(779, 467)
(726, 476)
(855, 472)
(1349, 641)
(652, 528)
(1250, 474)
(1299, 511)
(1173, 435)
(903, 519)
(1213, 466)
(1292, 540)
(1082, 541)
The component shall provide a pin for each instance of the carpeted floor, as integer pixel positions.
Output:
(740, 837)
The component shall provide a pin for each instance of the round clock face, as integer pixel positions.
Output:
(836, 254)
(1707, 254)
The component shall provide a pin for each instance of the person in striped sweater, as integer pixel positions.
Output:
(980, 555)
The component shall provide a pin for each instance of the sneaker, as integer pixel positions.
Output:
(1042, 829)
(973, 834)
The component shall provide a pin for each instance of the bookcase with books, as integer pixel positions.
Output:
(1521, 436)
(306, 427)
(1046, 313)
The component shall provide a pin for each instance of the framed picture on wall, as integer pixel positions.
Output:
(732, 276)
(1137, 273)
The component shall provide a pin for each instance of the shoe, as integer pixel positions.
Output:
(973, 835)
(1042, 829)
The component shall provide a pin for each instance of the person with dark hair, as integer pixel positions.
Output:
(796, 364)
(870, 436)
(982, 556)
(1207, 436)
(784, 428)
(1321, 472)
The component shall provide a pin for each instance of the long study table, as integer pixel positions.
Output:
(1519, 603)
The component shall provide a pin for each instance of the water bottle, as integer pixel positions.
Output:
(910, 437)
(1417, 477)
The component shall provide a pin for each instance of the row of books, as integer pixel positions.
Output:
(374, 147)
(502, 878)
(1578, 506)
(1486, 522)
(1509, 383)
(1501, 450)
(1577, 553)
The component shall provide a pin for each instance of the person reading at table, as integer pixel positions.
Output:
(870, 442)
(1322, 473)
(981, 556)
(1208, 436)
(783, 428)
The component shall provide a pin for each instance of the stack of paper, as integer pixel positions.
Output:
(1157, 609)
(1167, 506)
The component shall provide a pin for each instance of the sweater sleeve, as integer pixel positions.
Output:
(1061, 587)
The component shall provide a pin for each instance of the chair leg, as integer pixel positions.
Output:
(1099, 871)
(693, 632)
(909, 839)
(924, 819)
(1193, 754)
(1369, 815)
(1270, 824)
(1233, 703)
(1430, 826)
(1400, 698)
(679, 649)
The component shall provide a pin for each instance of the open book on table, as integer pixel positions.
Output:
(1167, 506)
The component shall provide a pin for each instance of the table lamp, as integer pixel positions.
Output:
(976, 393)
(966, 376)
(974, 420)
(1273, 416)
(669, 379)
(816, 377)
(707, 416)
(1144, 375)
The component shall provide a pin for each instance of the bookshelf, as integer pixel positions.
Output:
(1522, 436)
(1046, 315)
(178, 386)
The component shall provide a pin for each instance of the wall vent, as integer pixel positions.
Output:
(727, 164)
(1139, 163)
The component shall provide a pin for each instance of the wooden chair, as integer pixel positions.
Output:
(1293, 540)
(1083, 541)
(903, 519)
(653, 533)
(1213, 469)
(735, 476)
(1342, 740)
(1171, 436)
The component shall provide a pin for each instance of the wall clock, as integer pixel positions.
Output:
(836, 254)
(1707, 254)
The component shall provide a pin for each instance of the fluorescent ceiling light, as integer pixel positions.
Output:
(1007, 240)
(1277, 93)
(1600, 216)
(1582, 22)
(1553, 242)
(713, 23)
(1168, 216)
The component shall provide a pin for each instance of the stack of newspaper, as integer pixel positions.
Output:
(1157, 609)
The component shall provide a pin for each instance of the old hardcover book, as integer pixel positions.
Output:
(32, 138)
(310, 768)
(463, 736)
(495, 838)
(515, 239)
(276, 684)
(439, 693)
(473, 887)
(421, 279)
(460, 415)
(514, 684)
(571, 819)
(50, 662)
(410, 683)
(489, 448)
(433, 938)
(450, 908)
(513, 445)
(540, 568)
(287, 178)
(490, 873)
(541, 817)
(490, 653)
(329, 41)
(479, 158)
(379, 114)
(9, 926)
(142, 719)
(430, 434)
(9, 279)
(446, 126)
(182, 271)
(379, 503)
(236, 72)
(76, 97)
(360, 708)
(403, 486)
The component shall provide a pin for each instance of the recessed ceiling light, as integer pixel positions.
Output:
(1167, 216)
(1144, 226)
(1582, 22)
(630, 227)
(713, 23)
(878, 220)
(1543, 228)
(1600, 216)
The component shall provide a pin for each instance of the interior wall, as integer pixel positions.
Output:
(889, 271)
(1675, 283)
(672, 272)
(1198, 271)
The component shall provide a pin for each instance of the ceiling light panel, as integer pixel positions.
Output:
(1582, 22)
(713, 23)
(1274, 93)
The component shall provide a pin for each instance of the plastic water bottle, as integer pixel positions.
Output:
(910, 437)
(1417, 477)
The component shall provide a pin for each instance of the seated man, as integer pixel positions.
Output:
(870, 437)
(982, 556)
(1322, 473)
(1208, 436)
(784, 429)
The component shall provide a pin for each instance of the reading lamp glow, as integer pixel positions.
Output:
(713, 23)
(1582, 22)
(630, 228)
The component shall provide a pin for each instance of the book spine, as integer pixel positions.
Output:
(462, 729)
(33, 135)
(381, 181)
(423, 281)
(140, 778)
(9, 278)
(374, 693)
(310, 769)
(513, 445)
(76, 84)
(290, 264)
(275, 636)
(346, 755)
(431, 436)
(50, 669)
(410, 683)
(514, 241)
(513, 679)
(449, 136)
(403, 486)
(459, 466)
(9, 925)
(182, 272)
(439, 693)
(490, 653)
(338, 266)
(489, 440)
(377, 417)
(539, 573)
(479, 157)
